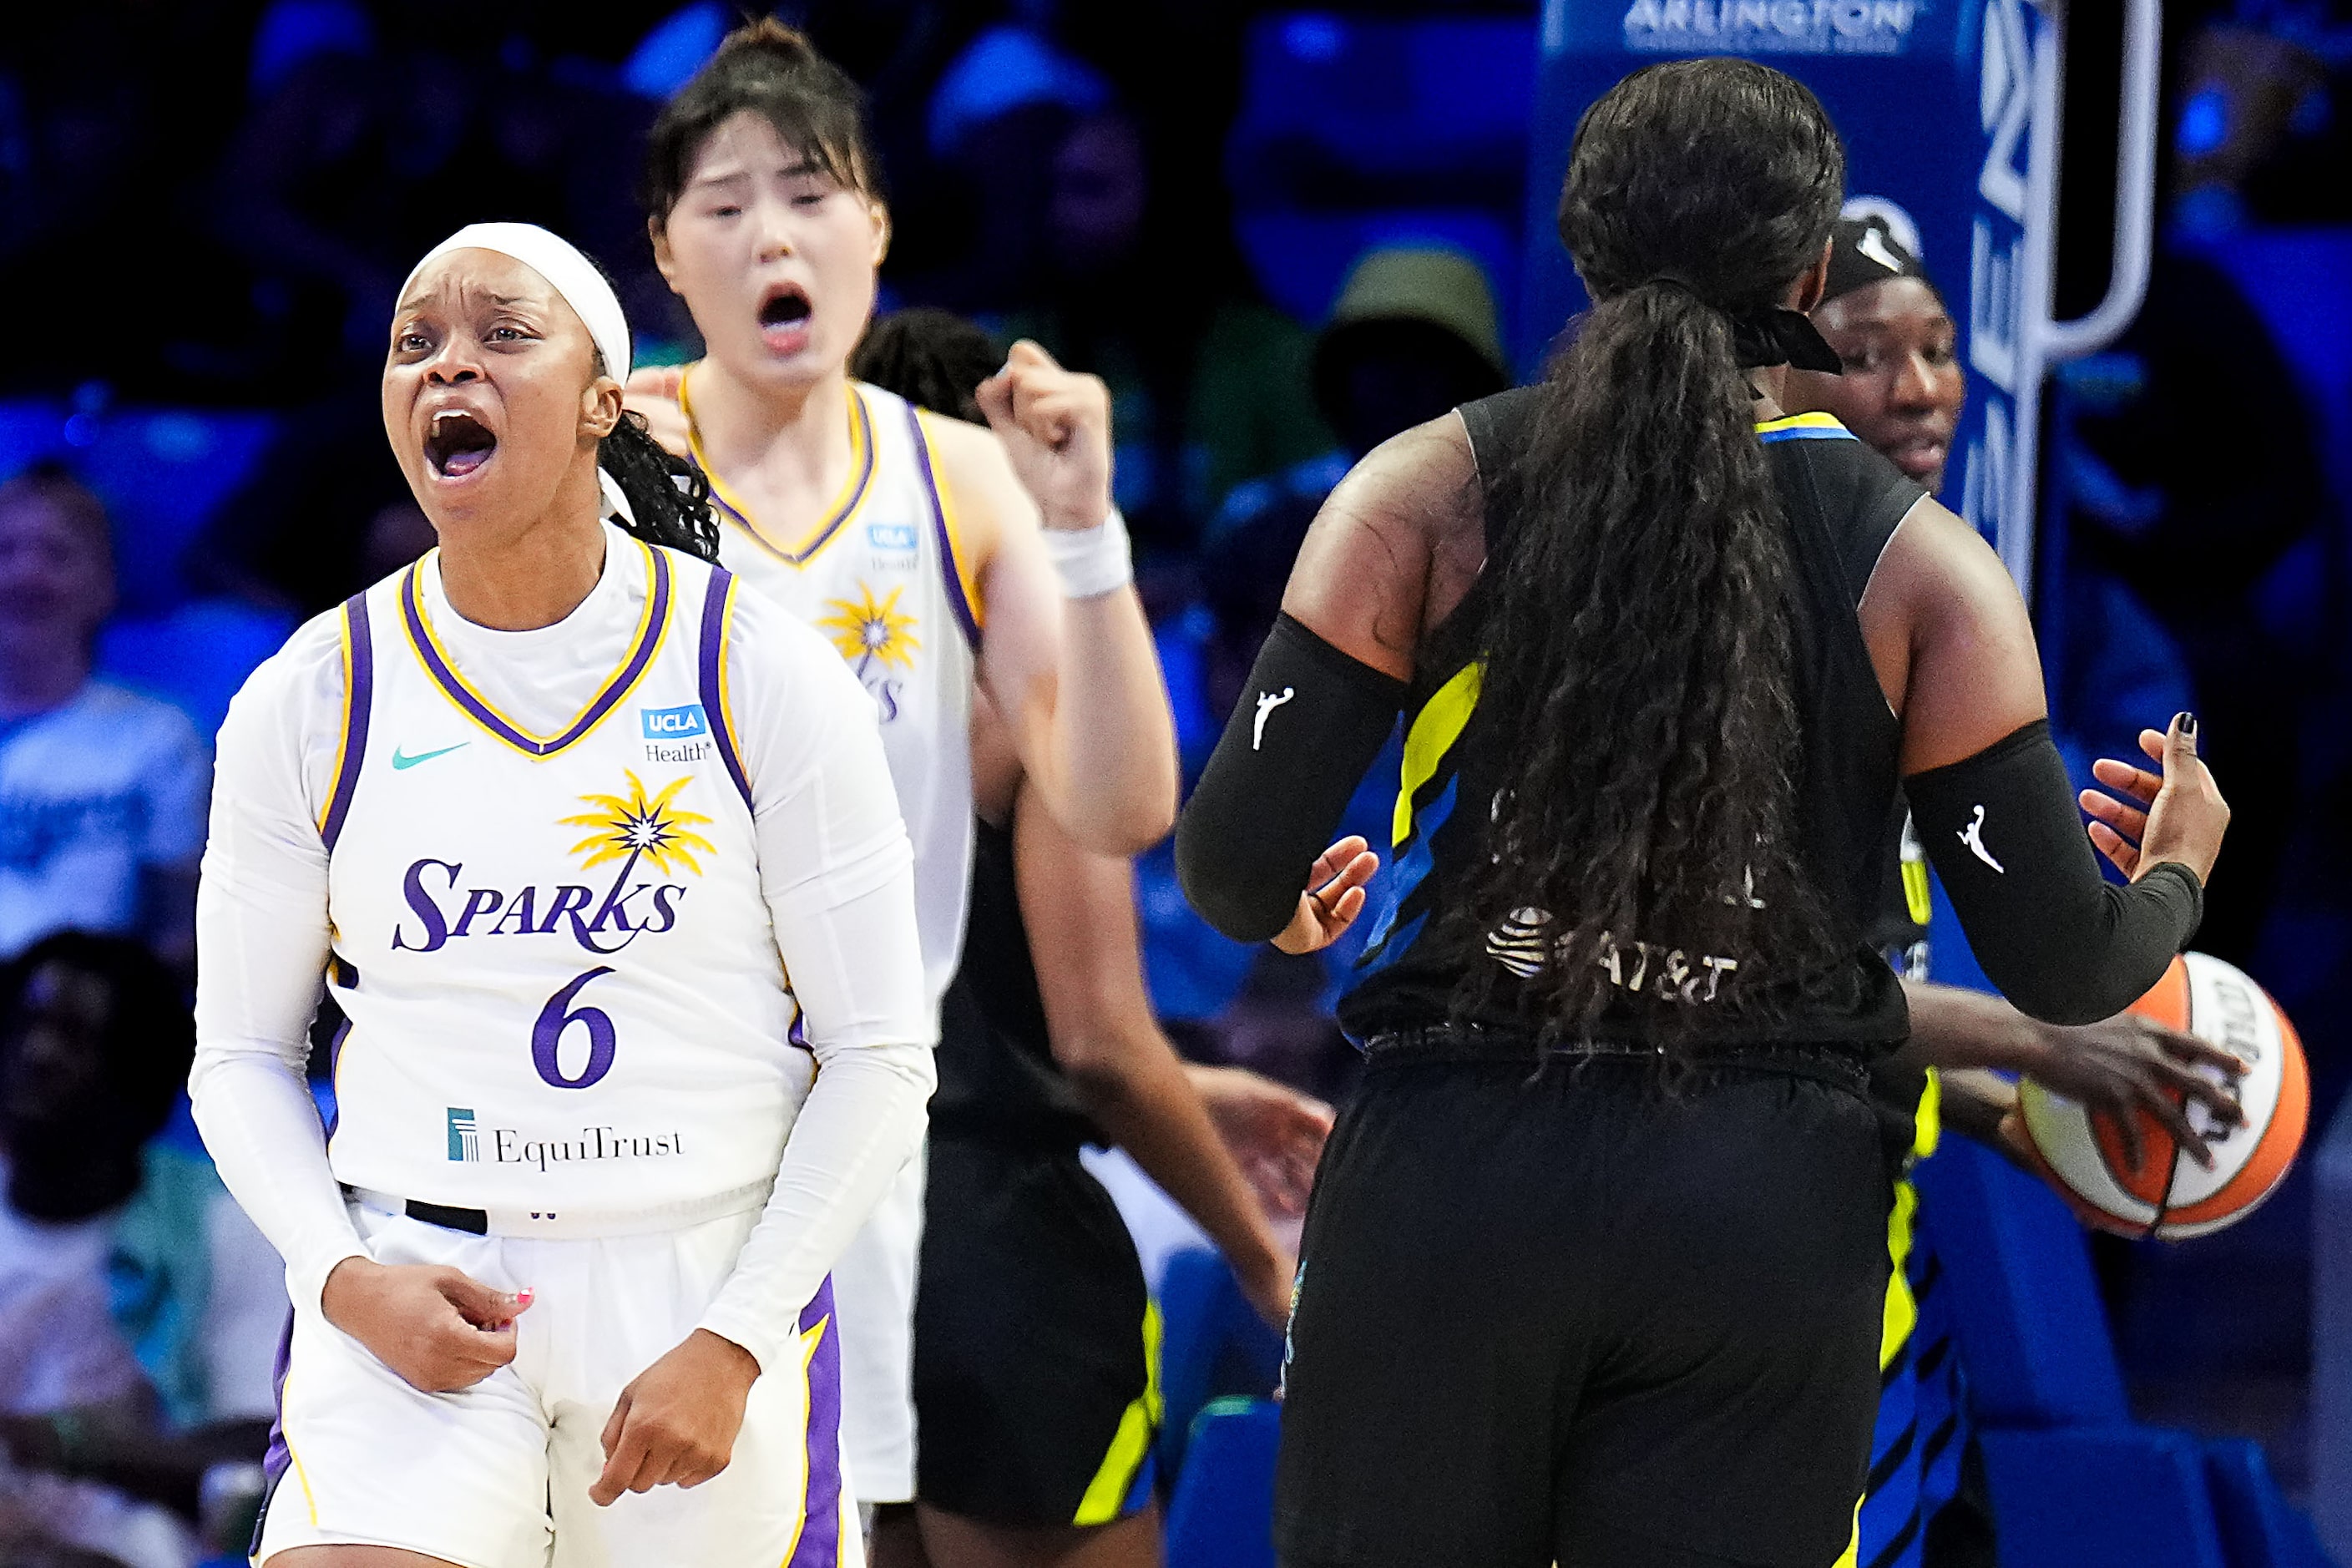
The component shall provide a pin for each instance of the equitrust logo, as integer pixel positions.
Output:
(464, 1139)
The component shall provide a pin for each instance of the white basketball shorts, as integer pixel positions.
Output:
(497, 1475)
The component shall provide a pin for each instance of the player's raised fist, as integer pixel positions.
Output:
(1055, 426)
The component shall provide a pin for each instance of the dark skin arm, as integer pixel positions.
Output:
(1080, 911)
(2125, 1065)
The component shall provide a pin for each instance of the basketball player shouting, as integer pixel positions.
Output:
(1665, 653)
(900, 535)
(557, 810)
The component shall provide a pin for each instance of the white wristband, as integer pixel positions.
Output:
(1091, 561)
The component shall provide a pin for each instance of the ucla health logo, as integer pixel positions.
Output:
(465, 1140)
(674, 723)
(680, 734)
(893, 536)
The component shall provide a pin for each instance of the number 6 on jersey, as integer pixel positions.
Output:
(547, 1035)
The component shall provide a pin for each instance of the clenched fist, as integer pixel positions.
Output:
(1055, 426)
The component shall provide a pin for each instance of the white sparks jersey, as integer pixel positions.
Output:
(884, 576)
(560, 973)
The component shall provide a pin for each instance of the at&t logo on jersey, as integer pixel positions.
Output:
(637, 831)
(680, 734)
(464, 1141)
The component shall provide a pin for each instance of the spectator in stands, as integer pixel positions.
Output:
(1209, 385)
(109, 1288)
(102, 789)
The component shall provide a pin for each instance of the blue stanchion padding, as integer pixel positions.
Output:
(1211, 1343)
(2259, 1529)
(1223, 1514)
(2033, 1333)
(2102, 1496)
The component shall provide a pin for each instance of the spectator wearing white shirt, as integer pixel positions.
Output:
(102, 789)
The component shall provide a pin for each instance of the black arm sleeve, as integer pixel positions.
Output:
(2060, 941)
(1309, 723)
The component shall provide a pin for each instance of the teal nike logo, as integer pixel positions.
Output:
(401, 760)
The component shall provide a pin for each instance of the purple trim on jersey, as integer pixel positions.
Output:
(455, 689)
(954, 579)
(359, 698)
(820, 1539)
(279, 1459)
(715, 600)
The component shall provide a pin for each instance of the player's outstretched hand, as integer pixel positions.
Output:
(2179, 817)
(675, 1423)
(1055, 426)
(2130, 1065)
(1333, 898)
(440, 1329)
(653, 393)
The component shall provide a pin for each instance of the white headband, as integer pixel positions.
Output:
(567, 271)
(570, 274)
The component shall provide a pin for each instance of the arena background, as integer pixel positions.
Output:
(205, 205)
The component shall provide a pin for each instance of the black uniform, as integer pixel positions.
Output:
(1549, 1307)
(1036, 1375)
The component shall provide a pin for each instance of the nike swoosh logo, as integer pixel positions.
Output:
(401, 760)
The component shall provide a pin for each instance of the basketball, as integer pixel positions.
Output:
(2169, 1194)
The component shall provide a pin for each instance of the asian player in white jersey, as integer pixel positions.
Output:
(601, 857)
(903, 536)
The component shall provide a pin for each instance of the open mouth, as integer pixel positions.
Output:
(784, 317)
(458, 444)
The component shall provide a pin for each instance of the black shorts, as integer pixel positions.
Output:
(1037, 1376)
(1556, 1313)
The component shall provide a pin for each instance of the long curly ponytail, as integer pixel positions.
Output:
(669, 497)
(1639, 652)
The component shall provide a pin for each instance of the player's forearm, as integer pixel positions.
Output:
(262, 1129)
(863, 1120)
(1951, 1027)
(1142, 1096)
(1114, 741)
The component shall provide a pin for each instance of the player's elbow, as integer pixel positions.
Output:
(1225, 882)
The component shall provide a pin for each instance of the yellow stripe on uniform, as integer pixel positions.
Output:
(1107, 1493)
(1798, 422)
(1902, 1314)
(1434, 729)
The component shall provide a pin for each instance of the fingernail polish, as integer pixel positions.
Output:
(523, 1295)
(2187, 722)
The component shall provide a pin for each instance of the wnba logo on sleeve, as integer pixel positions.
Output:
(465, 1140)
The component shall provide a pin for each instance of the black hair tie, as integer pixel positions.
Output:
(1766, 334)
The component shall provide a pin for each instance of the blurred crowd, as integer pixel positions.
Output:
(208, 204)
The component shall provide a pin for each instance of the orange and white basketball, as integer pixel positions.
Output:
(2169, 1194)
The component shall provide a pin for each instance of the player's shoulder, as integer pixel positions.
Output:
(967, 454)
(304, 676)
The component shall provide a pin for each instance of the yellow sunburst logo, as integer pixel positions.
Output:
(869, 629)
(637, 825)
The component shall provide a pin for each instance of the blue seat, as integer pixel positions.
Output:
(1212, 1344)
(1223, 1512)
(2075, 1484)
(2102, 1497)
